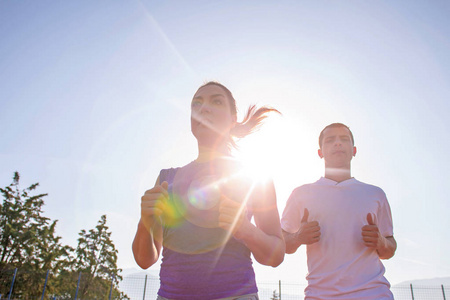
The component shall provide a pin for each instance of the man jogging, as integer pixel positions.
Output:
(346, 225)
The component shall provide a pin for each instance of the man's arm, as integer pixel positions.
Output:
(308, 233)
(291, 241)
(387, 249)
(385, 246)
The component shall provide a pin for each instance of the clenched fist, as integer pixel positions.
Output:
(153, 204)
(232, 216)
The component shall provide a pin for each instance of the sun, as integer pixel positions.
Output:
(261, 151)
(283, 150)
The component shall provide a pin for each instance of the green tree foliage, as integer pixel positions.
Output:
(29, 243)
(97, 260)
(18, 219)
(27, 238)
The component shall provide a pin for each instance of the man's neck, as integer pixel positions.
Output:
(337, 174)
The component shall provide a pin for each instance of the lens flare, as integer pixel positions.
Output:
(204, 193)
(195, 206)
(173, 211)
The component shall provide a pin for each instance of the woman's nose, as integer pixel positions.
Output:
(205, 108)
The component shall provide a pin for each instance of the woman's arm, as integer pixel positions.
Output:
(148, 239)
(264, 240)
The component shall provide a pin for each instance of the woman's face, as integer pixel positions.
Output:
(211, 117)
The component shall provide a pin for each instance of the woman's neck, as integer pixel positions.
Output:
(209, 153)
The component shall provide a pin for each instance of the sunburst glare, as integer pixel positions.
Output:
(259, 153)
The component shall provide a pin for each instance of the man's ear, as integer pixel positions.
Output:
(320, 153)
(354, 151)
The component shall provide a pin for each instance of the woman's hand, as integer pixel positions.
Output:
(147, 242)
(264, 239)
(233, 216)
(153, 204)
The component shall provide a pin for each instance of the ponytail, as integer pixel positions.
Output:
(252, 120)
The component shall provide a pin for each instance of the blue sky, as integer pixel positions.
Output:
(94, 101)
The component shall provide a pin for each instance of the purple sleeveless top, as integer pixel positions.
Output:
(199, 259)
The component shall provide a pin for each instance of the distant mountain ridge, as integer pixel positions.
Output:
(140, 272)
(426, 282)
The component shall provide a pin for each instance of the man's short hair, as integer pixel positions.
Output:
(334, 125)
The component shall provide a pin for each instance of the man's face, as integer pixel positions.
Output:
(337, 148)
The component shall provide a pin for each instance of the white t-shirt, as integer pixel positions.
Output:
(340, 266)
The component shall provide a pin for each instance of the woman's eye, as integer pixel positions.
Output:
(196, 103)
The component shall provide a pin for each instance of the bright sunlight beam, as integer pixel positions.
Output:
(261, 152)
(283, 150)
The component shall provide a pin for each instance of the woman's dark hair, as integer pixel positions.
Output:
(252, 120)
